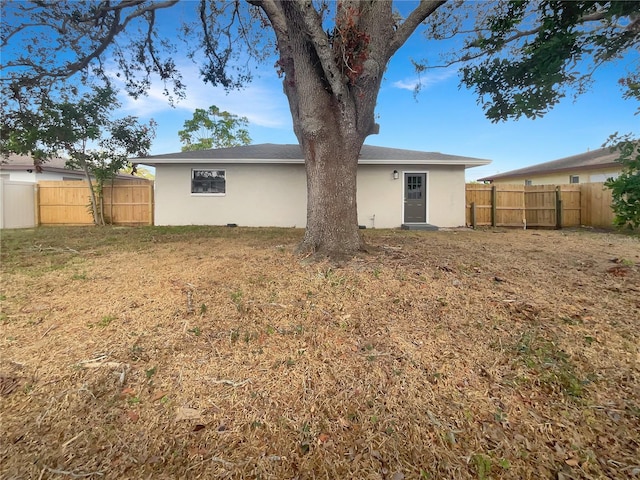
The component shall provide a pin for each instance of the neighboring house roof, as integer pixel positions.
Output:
(24, 162)
(292, 153)
(595, 159)
(52, 165)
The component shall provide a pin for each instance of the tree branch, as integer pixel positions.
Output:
(415, 18)
(274, 14)
(320, 42)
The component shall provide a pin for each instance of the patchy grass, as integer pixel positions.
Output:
(202, 352)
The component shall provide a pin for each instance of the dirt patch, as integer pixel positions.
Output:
(218, 353)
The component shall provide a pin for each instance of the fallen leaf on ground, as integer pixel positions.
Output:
(128, 391)
(133, 416)
(185, 413)
(158, 396)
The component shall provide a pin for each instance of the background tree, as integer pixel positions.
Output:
(138, 171)
(625, 188)
(520, 57)
(212, 128)
(83, 132)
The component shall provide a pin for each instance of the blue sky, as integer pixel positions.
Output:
(443, 118)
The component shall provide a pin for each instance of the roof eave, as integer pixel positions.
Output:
(466, 162)
(579, 169)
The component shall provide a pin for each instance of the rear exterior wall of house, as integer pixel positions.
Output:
(275, 195)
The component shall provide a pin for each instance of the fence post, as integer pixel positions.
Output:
(473, 215)
(558, 208)
(36, 204)
(494, 206)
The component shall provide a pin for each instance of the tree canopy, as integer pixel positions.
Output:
(212, 128)
(523, 57)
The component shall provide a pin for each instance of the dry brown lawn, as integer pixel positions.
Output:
(207, 353)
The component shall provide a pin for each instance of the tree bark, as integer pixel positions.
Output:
(332, 218)
(92, 194)
(332, 80)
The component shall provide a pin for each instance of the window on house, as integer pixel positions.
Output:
(528, 183)
(213, 182)
(574, 179)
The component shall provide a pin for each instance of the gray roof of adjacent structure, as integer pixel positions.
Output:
(292, 153)
(18, 162)
(53, 165)
(602, 157)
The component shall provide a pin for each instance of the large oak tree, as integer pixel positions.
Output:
(521, 58)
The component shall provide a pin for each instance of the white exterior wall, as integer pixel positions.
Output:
(256, 195)
(276, 195)
(380, 195)
(17, 204)
(447, 196)
(33, 177)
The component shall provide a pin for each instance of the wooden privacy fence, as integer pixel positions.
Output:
(553, 206)
(124, 202)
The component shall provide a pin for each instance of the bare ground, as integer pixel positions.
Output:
(219, 353)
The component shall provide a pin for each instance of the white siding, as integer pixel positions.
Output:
(275, 195)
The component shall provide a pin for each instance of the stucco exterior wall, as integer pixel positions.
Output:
(276, 195)
(446, 194)
(256, 195)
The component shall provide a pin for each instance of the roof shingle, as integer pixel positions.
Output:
(602, 157)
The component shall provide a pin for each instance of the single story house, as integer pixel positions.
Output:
(265, 185)
(590, 167)
(20, 168)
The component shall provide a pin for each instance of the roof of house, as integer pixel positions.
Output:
(53, 165)
(292, 153)
(595, 159)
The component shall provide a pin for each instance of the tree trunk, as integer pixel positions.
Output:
(92, 194)
(331, 80)
(332, 219)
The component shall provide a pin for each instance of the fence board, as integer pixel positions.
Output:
(68, 203)
(571, 195)
(540, 201)
(510, 208)
(64, 203)
(595, 205)
(582, 204)
(480, 195)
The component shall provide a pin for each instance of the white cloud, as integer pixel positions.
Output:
(424, 80)
(261, 101)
